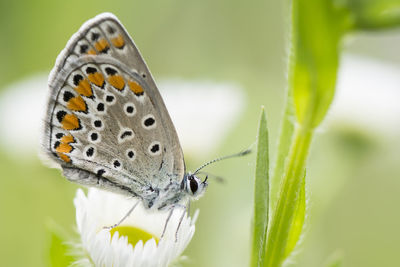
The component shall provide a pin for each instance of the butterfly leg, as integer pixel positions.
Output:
(123, 218)
(167, 220)
(179, 224)
(180, 220)
(188, 208)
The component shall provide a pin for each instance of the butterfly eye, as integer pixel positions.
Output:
(193, 185)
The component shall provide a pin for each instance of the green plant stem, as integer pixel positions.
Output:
(285, 138)
(282, 220)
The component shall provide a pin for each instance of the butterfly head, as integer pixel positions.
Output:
(193, 186)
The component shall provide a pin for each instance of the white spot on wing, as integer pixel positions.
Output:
(130, 109)
(141, 98)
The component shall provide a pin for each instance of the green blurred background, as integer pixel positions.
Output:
(353, 174)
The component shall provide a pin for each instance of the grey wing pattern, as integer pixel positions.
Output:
(105, 117)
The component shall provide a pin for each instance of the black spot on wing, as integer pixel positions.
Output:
(109, 98)
(84, 48)
(130, 109)
(56, 144)
(110, 30)
(100, 107)
(91, 70)
(149, 122)
(110, 71)
(116, 164)
(126, 134)
(94, 136)
(97, 123)
(77, 79)
(155, 148)
(95, 36)
(90, 151)
(100, 172)
(60, 115)
(67, 96)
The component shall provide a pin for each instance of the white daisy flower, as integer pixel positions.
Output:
(137, 241)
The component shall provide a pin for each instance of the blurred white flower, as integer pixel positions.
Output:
(203, 113)
(139, 243)
(367, 95)
(21, 115)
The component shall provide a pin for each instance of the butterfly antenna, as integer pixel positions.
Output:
(240, 154)
(219, 179)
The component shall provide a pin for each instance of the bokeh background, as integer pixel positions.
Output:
(353, 173)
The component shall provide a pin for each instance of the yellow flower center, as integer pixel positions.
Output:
(133, 234)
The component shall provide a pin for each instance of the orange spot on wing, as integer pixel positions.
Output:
(67, 139)
(64, 148)
(117, 81)
(84, 88)
(136, 88)
(77, 104)
(118, 41)
(70, 122)
(102, 46)
(96, 78)
(91, 52)
(64, 157)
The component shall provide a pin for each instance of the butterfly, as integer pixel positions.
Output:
(106, 124)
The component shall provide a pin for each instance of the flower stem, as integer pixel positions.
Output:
(281, 222)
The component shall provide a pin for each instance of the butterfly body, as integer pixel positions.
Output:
(106, 124)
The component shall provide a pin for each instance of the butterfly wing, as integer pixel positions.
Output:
(106, 123)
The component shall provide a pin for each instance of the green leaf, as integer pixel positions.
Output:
(261, 195)
(374, 14)
(298, 220)
(317, 29)
(285, 226)
(60, 251)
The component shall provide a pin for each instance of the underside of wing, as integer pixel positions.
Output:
(105, 115)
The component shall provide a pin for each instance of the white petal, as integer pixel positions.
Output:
(100, 208)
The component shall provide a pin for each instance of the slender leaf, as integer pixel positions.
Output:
(290, 203)
(298, 220)
(261, 195)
